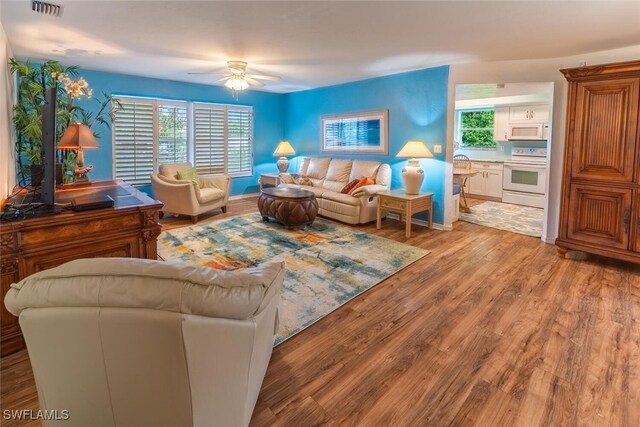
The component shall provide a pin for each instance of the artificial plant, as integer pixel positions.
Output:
(33, 80)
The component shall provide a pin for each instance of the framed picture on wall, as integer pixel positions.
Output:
(357, 133)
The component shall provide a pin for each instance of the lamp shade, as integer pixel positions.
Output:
(237, 83)
(77, 136)
(284, 149)
(415, 150)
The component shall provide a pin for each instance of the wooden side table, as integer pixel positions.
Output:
(404, 204)
(268, 180)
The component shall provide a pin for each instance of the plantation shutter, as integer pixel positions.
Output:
(133, 141)
(240, 141)
(172, 133)
(209, 138)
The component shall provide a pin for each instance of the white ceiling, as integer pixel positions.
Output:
(312, 43)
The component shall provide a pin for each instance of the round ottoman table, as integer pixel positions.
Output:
(292, 207)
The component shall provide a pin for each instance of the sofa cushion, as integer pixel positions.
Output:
(362, 182)
(318, 167)
(287, 178)
(362, 168)
(339, 170)
(141, 283)
(207, 195)
(190, 174)
(342, 198)
(343, 209)
(347, 188)
(304, 165)
(303, 180)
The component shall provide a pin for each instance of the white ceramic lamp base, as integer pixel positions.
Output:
(283, 164)
(413, 177)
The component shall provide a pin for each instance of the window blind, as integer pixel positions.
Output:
(172, 134)
(240, 141)
(223, 139)
(209, 138)
(133, 130)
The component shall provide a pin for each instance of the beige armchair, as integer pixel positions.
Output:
(186, 197)
(132, 342)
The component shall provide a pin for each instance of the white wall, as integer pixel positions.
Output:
(7, 140)
(526, 71)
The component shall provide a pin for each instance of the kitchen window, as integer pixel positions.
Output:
(147, 132)
(475, 128)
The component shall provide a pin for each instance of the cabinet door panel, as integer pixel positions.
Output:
(604, 137)
(494, 184)
(600, 215)
(475, 184)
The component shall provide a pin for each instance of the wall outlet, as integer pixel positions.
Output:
(437, 149)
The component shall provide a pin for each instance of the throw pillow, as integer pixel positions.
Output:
(304, 180)
(190, 174)
(363, 181)
(287, 178)
(347, 188)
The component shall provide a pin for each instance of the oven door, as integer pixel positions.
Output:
(525, 177)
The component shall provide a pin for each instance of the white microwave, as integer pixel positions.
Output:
(528, 131)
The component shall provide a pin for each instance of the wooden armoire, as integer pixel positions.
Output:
(600, 210)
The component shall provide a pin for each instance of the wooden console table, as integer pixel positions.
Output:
(129, 229)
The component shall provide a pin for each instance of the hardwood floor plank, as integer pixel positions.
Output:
(490, 329)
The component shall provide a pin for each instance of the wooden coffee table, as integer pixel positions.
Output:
(292, 207)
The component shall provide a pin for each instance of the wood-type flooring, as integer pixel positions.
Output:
(491, 329)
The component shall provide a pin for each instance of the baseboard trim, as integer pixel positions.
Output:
(244, 196)
(423, 223)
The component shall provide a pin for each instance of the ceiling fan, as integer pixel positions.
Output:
(236, 77)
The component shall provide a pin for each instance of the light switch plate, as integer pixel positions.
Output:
(437, 149)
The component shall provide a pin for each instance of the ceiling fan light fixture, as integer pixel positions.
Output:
(237, 83)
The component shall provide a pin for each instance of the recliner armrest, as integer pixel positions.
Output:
(369, 190)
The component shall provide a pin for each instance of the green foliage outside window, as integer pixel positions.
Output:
(476, 128)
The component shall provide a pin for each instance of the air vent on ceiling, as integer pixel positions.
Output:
(46, 8)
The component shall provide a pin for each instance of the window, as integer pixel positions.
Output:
(475, 128)
(172, 133)
(223, 139)
(149, 132)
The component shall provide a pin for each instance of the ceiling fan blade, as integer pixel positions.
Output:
(265, 77)
(253, 82)
(204, 72)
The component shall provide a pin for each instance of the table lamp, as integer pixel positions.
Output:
(412, 175)
(79, 137)
(283, 150)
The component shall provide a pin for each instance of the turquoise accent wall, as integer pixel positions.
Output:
(417, 105)
(268, 111)
(416, 101)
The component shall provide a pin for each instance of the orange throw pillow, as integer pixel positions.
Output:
(364, 181)
(347, 188)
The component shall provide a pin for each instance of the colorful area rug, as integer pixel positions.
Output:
(504, 216)
(327, 264)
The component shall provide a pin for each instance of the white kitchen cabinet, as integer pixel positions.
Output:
(501, 124)
(487, 183)
(537, 113)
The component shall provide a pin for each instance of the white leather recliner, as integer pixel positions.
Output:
(131, 342)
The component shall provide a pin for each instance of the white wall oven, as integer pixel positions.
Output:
(525, 177)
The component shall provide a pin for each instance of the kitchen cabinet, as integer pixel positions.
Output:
(600, 203)
(487, 183)
(535, 113)
(501, 124)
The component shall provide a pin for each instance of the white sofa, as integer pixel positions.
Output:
(329, 176)
(131, 342)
